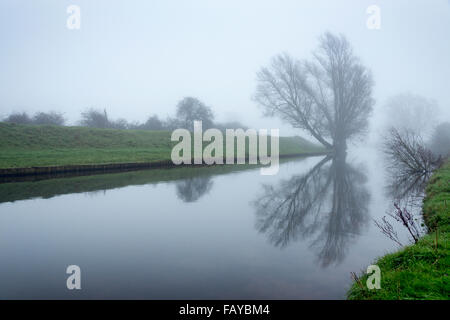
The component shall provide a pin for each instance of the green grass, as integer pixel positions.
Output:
(28, 145)
(436, 205)
(419, 271)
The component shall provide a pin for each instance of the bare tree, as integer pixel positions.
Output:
(330, 96)
(411, 112)
(95, 119)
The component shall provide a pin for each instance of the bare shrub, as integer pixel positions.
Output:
(406, 219)
(19, 118)
(94, 119)
(52, 118)
(388, 230)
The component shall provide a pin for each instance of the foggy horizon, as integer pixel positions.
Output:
(136, 59)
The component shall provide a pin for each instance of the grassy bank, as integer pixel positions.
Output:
(28, 146)
(419, 271)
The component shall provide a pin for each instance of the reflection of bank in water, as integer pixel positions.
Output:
(328, 205)
(19, 189)
(406, 189)
(409, 166)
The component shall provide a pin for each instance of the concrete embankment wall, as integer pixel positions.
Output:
(108, 167)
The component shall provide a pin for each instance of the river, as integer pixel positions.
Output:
(201, 233)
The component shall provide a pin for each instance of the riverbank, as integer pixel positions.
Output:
(419, 271)
(32, 150)
(48, 186)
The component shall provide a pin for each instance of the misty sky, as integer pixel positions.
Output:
(136, 58)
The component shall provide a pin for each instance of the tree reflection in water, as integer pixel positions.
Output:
(192, 189)
(328, 204)
(407, 190)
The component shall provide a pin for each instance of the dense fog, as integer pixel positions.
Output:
(142, 58)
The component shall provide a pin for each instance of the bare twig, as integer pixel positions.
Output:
(356, 279)
(388, 230)
(407, 219)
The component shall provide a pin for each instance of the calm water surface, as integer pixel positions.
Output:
(206, 233)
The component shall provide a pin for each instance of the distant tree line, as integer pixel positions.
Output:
(187, 110)
(51, 118)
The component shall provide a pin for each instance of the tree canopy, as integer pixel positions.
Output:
(329, 96)
(190, 109)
